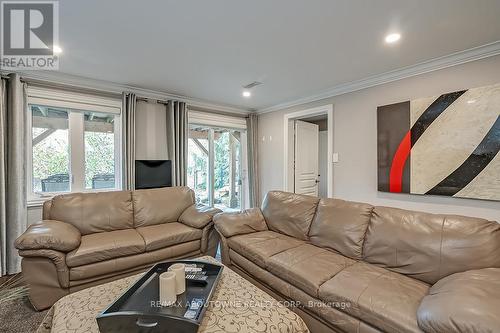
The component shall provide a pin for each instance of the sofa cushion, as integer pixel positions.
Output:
(307, 266)
(429, 247)
(161, 205)
(98, 270)
(167, 234)
(259, 246)
(341, 225)
(94, 212)
(381, 298)
(330, 313)
(106, 245)
(289, 213)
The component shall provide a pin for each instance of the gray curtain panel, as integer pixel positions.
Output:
(253, 161)
(177, 136)
(13, 187)
(128, 135)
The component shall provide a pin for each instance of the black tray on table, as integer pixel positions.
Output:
(138, 309)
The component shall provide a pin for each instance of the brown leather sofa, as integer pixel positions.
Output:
(353, 267)
(93, 238)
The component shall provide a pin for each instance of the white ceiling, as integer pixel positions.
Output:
(210, 49)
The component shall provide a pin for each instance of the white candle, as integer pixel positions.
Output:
(180, 277)
(167, 284)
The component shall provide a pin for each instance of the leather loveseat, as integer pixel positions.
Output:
(86, 239)
(353, 267)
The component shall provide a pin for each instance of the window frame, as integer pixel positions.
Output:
(79, 103)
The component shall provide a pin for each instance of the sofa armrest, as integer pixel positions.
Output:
(56, 257)
(198, 216)
(462, 302)
(49, 235)
(240, 223)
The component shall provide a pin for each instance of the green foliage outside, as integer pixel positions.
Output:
(222, 161)
(51, 156)
(99, 155)
(198, 169)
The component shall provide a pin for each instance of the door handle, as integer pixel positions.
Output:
(141, 323)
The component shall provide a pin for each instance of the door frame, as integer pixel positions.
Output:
(316, 111)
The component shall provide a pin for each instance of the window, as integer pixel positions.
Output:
(198, 164)
(50, 142)
(216, 170)
(75, 144)
(99, 137)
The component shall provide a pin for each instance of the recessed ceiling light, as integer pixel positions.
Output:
(471, 101)
(57, 49)
(392, 38)
(246, 93)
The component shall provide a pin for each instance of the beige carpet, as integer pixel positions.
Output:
(16, 313)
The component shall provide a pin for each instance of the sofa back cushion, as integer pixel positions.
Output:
(341, 226)
(289, 213)
(161, 205)
(429, 247)
(94, 212)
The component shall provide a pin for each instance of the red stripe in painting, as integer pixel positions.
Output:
(398, 164)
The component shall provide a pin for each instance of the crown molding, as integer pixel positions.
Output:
(454, 59)
(59, 78)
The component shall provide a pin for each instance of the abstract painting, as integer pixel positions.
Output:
(442, 145)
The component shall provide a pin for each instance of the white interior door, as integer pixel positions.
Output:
(306, 158)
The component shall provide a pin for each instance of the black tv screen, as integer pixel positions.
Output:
(153, 174)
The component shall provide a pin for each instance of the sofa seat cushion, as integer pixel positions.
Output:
(259, 246)
(103, 269)
(307, 266)
(104, 246)
(168, 234)
(379, 297)
(329, 313)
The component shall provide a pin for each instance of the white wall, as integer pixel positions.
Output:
(34, 214)
(151, 131)
(355, 139)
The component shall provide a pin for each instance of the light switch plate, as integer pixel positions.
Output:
(335, 158)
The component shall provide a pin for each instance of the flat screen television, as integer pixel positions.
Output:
(153, 174)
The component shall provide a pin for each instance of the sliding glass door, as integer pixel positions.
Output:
(215, 166)
(197, 170)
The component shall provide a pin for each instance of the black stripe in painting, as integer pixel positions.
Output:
(431, 113)
(473, 165)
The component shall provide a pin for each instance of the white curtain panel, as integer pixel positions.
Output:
(128, 130)
(253, 161)
(13, 187)
(177, 136)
